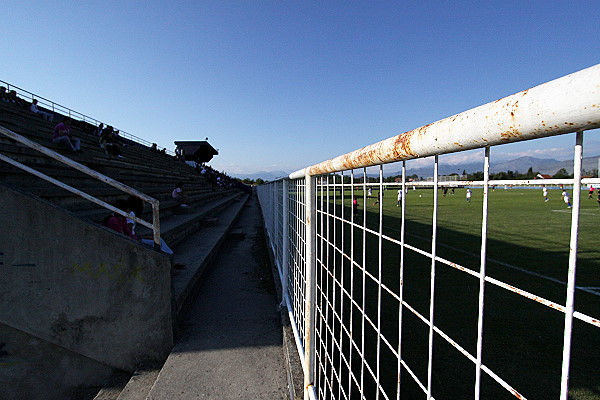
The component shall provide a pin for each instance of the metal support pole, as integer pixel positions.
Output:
(379, 279)
(285, 266)
(311, 288)
(401, 283)
(570, 302)
(432, 284)
(482, 272)
(156, 224)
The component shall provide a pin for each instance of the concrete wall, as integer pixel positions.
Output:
(82, 287)
(32, 368)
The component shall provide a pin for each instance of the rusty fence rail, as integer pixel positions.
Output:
(368, 326)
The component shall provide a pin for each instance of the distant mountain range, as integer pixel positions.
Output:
(264, 175)
(522, 164)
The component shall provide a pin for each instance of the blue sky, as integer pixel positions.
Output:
(279, 85)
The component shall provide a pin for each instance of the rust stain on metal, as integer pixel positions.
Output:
(459, 267)
(536, 298)
(402, 145)
(511, 133)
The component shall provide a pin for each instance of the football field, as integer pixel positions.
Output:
(527, 249)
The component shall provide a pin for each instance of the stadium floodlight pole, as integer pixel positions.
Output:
(482, 272)
(570, 301)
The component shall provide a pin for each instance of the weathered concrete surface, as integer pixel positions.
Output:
(81, 286)
(32, 368)
(230, 344)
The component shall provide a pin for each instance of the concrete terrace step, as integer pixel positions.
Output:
(196, 252)
(177, 227)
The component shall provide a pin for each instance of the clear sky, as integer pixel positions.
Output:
(279, 85)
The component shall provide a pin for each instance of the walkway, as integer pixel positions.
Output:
(229, 345)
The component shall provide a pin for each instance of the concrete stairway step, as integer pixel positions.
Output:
(196, 252)
(140, 383)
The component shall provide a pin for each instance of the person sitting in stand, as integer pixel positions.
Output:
(109, 142)
(99, 129)
(154, 148)
(34, 109)
(120, 141)
(3, 94)
(135, 208)
(62, 135)
(178, 195)
(118, 222)
(12, 97)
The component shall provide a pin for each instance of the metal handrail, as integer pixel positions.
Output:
(55, 107)
(155, 225)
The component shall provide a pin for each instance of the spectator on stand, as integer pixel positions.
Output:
(118, 222)
(34, 109)
(3, 94)
(135, 208)
(154, 148)
(12, 97)
(63, 136)
(179, 195)
(119, 138)
(110, 143)
(180, 154)
(98, 130)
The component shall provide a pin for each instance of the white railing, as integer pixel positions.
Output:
(57, 108)
(359, 308)
(155, 225)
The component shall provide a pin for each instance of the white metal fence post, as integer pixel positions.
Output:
(311, 289)
(570, 302)
(401, 283)
(432, 284)
(285, 238)
(482, 272)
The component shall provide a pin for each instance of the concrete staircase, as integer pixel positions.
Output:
(88, 301)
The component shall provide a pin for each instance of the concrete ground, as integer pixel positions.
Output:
(229, 344)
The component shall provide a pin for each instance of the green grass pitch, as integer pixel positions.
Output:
(527, 247)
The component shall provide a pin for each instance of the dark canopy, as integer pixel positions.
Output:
(200, 151)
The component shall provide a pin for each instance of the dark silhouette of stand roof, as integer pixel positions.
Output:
(200, 151)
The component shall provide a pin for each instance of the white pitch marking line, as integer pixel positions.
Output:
(580, 213)
(582, 288)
